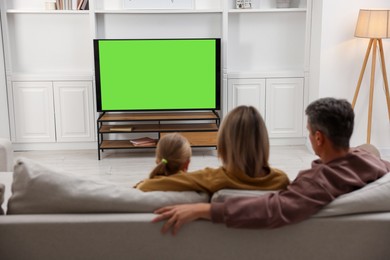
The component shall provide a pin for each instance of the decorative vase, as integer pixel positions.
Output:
(243, 4)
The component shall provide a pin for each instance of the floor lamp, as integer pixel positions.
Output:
(375, 25)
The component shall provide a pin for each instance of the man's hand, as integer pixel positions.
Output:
(179, 215)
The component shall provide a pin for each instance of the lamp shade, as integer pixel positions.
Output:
(373, 24)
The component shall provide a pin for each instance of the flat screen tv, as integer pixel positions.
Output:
(157, 74)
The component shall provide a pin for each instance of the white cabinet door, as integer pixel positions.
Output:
(284, 107)
(74, 111)
(250, 92)
(33, 112)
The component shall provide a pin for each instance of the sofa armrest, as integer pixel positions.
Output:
(6, 155)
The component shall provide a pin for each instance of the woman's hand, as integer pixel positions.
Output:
(179, 215)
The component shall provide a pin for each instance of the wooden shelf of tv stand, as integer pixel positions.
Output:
(200, 128)
(143, 128)
(164, 116)
(120, 144)
(125, 144)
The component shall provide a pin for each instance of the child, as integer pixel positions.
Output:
(173, 154)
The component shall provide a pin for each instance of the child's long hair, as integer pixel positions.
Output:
(172, 153)
(243, 143)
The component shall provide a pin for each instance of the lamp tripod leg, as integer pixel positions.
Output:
(362, 72)
(372, 81)
(384, 76)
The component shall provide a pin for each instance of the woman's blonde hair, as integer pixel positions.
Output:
(243, 143)
(172, 153)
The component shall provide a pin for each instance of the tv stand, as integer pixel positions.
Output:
(200, 127)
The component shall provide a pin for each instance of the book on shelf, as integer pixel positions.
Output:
(82, 5)
(72, 4)
(59, 5)
(143, 141)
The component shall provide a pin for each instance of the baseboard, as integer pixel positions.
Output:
(54, 146)
(287, 141)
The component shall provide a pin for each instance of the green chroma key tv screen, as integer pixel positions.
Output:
(157, 74)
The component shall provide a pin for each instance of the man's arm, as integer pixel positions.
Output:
(268, 211)
(179, 215)
(301, 200)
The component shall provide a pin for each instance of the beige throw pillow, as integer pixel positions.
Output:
(374, 197)
(37, 189)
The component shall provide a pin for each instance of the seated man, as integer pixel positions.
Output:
(339, 170)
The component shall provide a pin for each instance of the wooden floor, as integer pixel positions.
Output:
(128, 167)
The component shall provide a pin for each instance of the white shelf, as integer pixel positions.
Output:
(268, 10)
(157, 11)
(292, 73)
(52, 76)
(37, 11)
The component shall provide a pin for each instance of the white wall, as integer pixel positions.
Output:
(4, 120)
(336, 60)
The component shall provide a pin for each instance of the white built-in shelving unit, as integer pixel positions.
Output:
(50, 70)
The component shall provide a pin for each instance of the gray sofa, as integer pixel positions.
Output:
(333, 234)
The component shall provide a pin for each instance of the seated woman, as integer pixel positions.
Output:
(243, 147)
